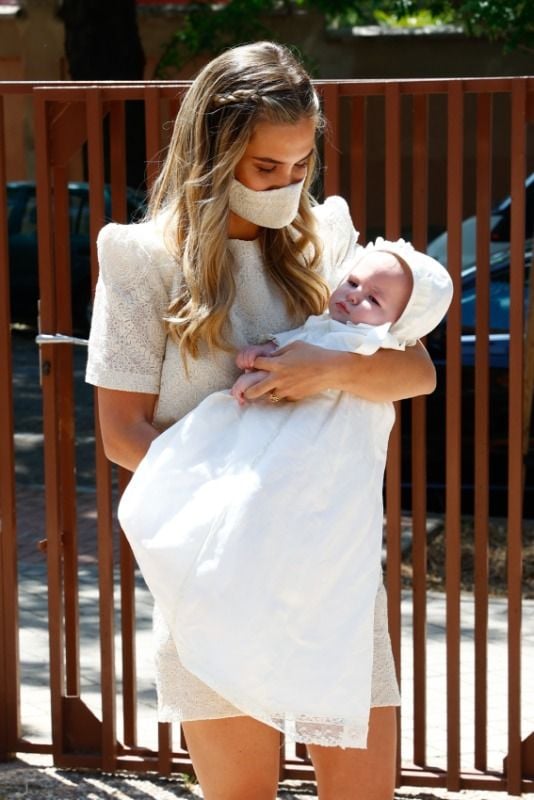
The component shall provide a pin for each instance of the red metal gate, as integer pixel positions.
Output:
(68, 116)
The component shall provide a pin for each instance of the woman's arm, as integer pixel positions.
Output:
(300, 370)
(126, 425)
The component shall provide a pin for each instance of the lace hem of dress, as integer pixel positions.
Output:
(328, 732)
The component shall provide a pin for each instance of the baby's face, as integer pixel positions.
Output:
(375, 291)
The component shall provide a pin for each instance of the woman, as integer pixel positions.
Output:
(234, 249)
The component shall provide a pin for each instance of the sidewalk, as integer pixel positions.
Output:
(27, 780)
(33, 777)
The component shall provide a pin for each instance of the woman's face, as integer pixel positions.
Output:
(277, 155)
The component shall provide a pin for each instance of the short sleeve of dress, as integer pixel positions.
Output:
(339, 238)
(128, 337)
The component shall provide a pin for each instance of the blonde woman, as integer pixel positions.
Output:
(234, 247)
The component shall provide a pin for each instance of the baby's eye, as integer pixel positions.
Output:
(352, 283)
(374, 300)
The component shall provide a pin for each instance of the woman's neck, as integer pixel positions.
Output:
(239, 228)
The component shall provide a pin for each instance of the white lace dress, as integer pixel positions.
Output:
(266, 539)
(129, 351)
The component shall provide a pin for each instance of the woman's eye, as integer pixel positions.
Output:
(353, 284)
(302, 166)
(265, 169)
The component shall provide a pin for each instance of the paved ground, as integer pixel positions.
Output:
(26, 780)
(32, 778)
(29, 781)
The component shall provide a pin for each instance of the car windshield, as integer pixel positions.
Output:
(28, 223)
(11, 201)
(499, 311)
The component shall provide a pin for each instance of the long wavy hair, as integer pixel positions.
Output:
(243, 86)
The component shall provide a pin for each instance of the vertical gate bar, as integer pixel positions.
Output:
(170, 110)
(331, 139)
(392, 189)
(183, 743)
(153, 128)
(117, 159)
(481, 422)
(117, 137)
(67, 460)
(153, 131)
(9, 641)
(282, 758)
(418, 443)
(515, 430)
(301, 752)
(453, 429)
(103, 471)
(165, 126)
(50, 421)
(164, 748)
(174, 105)
(420, 105)
(129, 660)
(358, 185)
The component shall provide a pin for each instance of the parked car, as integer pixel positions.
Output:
(23, 259)
(499, 230)
(499, 340)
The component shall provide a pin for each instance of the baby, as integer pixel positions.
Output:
(258, 526)
(375, 292)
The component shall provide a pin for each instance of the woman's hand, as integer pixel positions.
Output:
(296, 371)
(300, 370)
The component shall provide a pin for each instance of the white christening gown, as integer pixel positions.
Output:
(258, 530)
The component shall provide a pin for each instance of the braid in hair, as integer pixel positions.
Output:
(238, 96)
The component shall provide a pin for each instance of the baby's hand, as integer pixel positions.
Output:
(245, 358)
(238, 391)
(244, 382)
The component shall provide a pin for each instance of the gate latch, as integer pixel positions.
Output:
(59, 338)
(54, 338)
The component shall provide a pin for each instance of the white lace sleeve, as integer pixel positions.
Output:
(127, 339)
(340, 239)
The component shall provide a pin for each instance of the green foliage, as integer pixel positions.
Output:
(510, 22)
(209, 28)
(417, 19)
(334, 9)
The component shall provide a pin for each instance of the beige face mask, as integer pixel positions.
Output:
(272, 208)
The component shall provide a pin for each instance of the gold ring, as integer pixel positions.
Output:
(274, 398)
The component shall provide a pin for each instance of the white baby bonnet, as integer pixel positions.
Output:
(431, 293)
